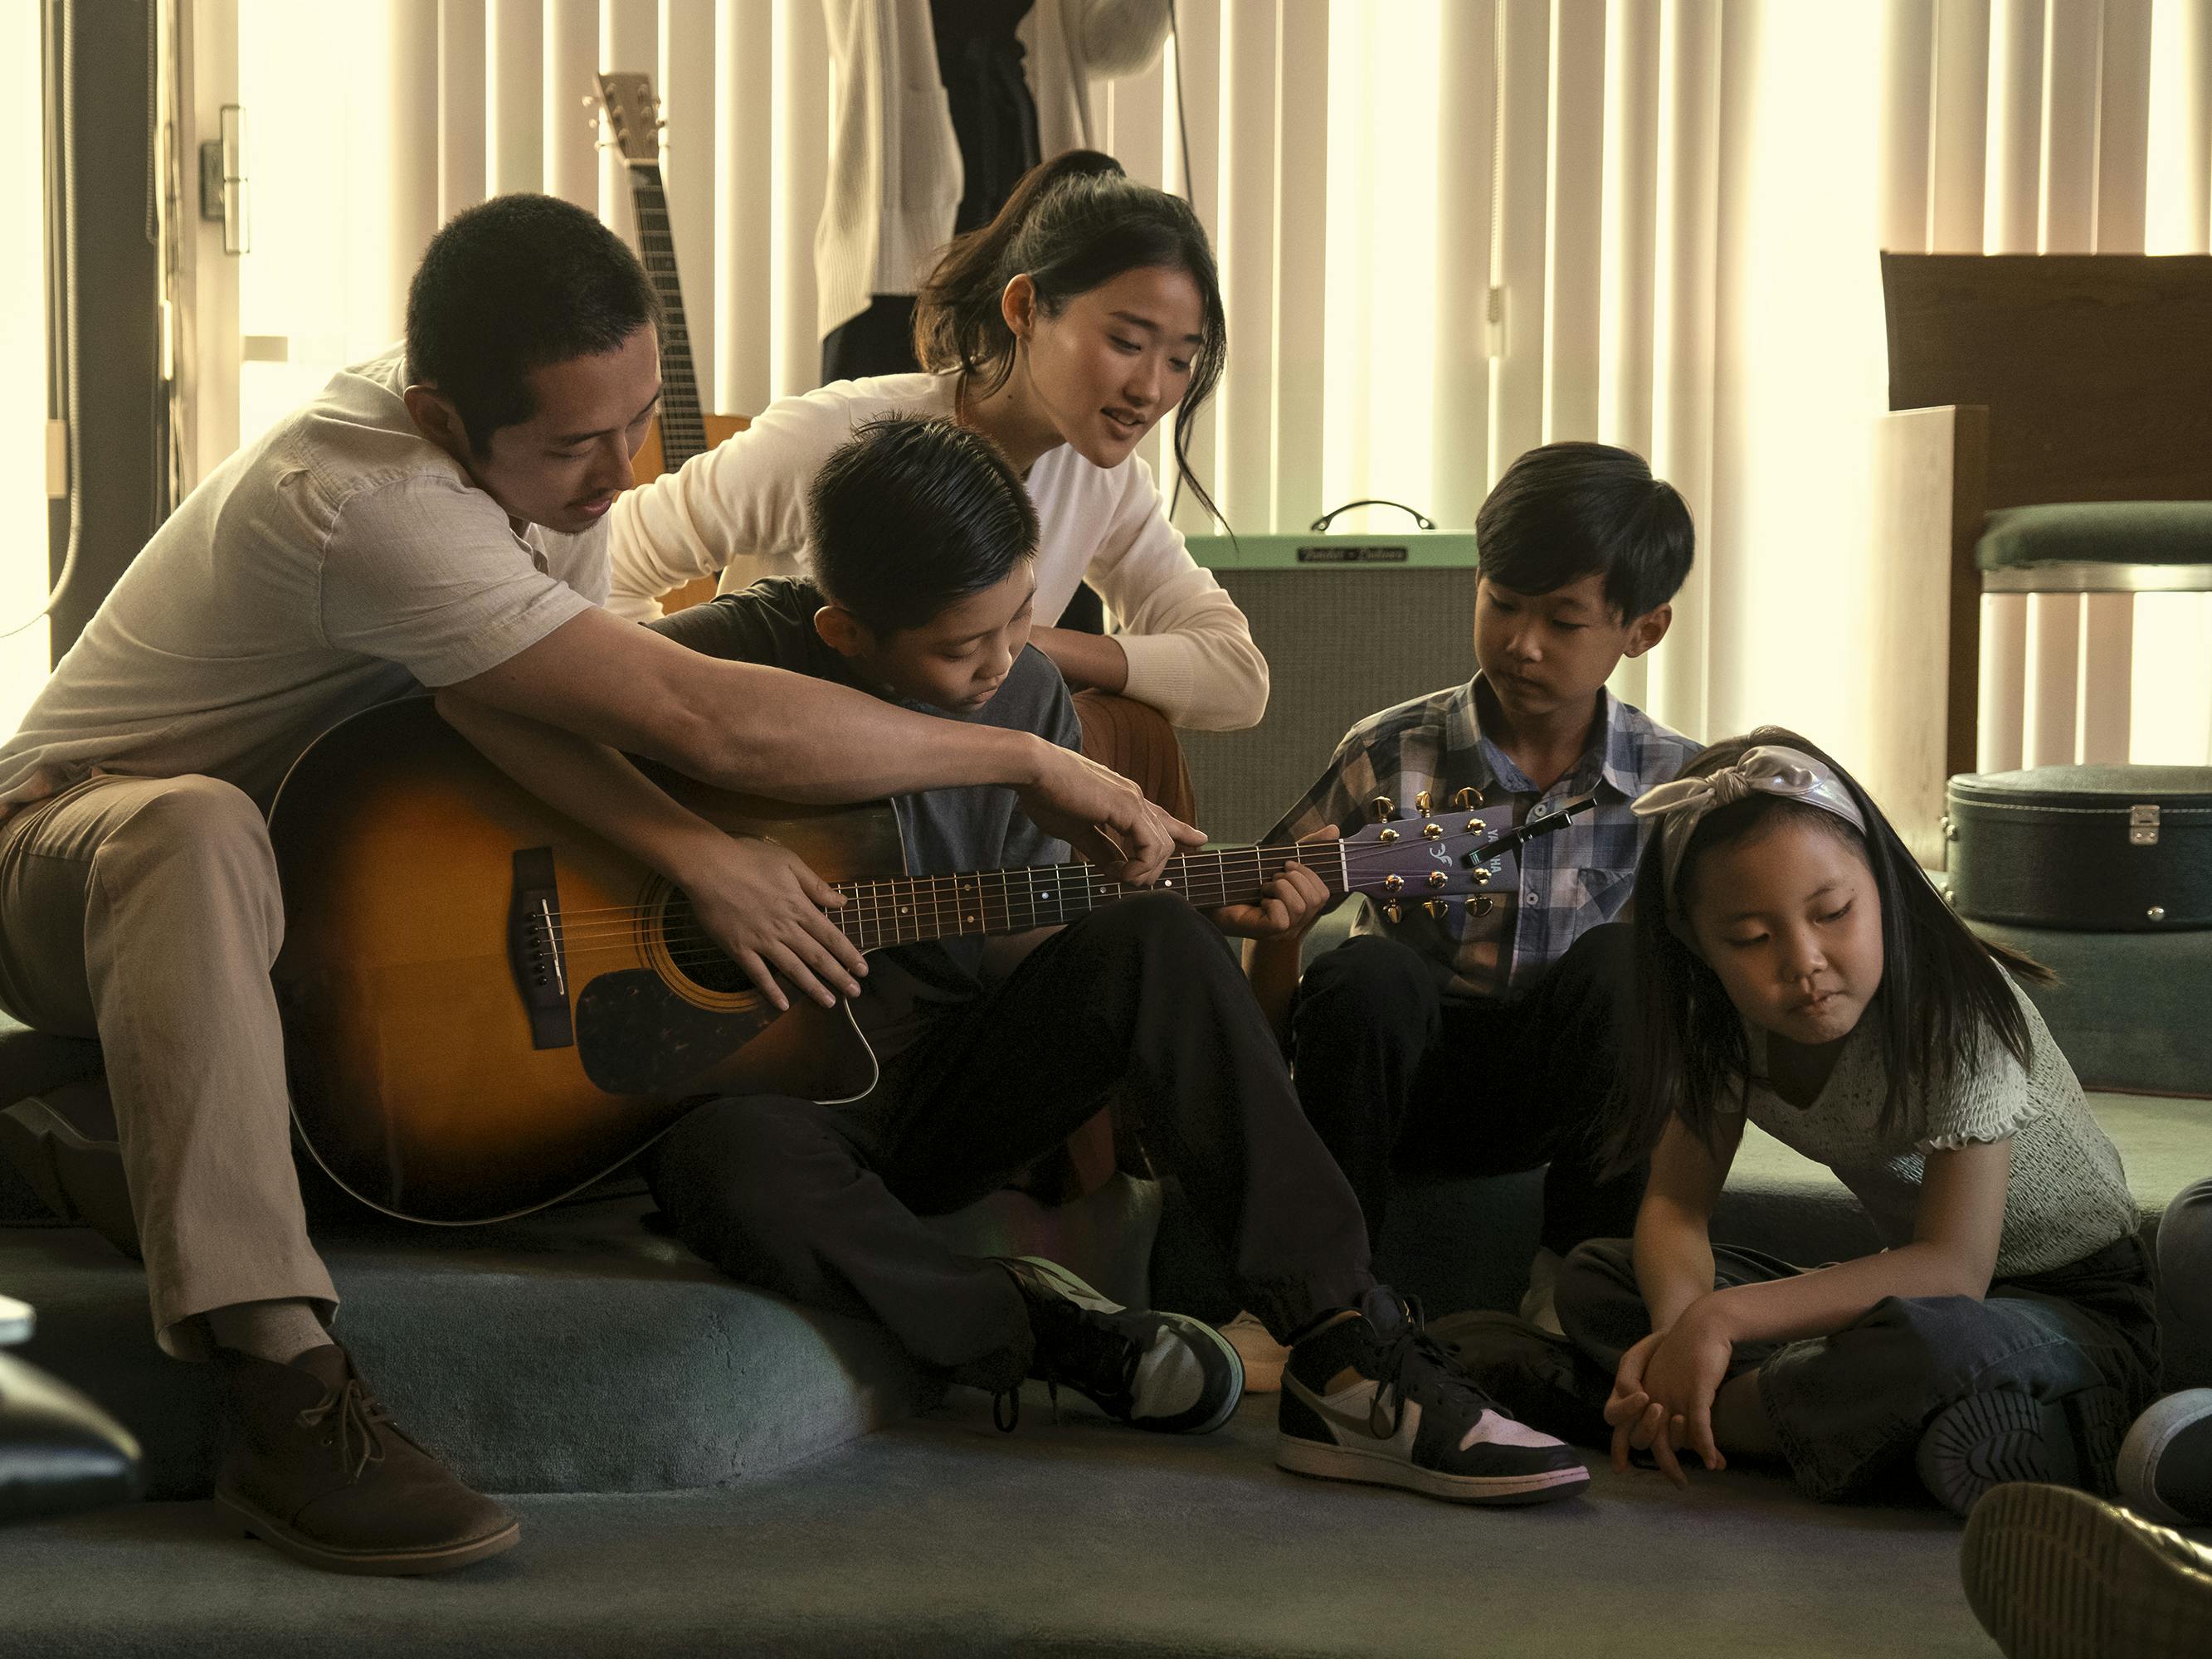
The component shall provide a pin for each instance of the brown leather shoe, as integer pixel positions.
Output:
(318, 1468)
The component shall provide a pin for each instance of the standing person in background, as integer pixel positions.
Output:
(1063, 330)
(942, 106)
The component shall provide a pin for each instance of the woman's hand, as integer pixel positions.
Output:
(761, 903)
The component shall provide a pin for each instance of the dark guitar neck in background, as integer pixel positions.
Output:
(683, 419)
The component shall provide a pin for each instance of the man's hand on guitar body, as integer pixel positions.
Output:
(1103, 816)
(768, 911)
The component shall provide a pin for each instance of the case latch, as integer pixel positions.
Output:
(2142, 826)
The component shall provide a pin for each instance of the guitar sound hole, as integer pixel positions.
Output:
(695, 956)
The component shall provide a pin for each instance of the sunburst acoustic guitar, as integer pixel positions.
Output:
(487, 1007)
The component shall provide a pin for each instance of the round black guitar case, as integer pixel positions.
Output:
(2108, 849)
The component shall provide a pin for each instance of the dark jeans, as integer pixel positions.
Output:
(2184, 1286)
(1851, 1407)
(879, 341)
(822, 1204)
(1390, 1070)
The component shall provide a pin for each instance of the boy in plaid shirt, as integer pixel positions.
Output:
(1487, 1039)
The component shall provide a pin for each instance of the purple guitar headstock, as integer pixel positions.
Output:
(1440, 859)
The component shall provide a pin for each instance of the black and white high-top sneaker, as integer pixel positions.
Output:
(1373, 1397)
(1162, 1371)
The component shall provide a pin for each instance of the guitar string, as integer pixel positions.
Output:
(686, 943)
(1365, 854)
(999, 910)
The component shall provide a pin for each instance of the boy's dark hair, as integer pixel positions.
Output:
(1571, 510)
(911, 515)
(509, 286)
(1072, 224)
(1941, 992)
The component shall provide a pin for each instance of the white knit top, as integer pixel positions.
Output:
(2068, 1194)
(740, 507)
(895, 171)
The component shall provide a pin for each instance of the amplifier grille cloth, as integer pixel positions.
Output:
(1340, 644)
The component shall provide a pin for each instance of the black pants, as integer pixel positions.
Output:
(1390, 1070)
(879, 341)
(822, 1204)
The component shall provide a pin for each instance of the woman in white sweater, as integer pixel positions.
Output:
(941, 105)
(1064, 330)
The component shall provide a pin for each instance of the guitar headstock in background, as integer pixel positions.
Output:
(632, 116)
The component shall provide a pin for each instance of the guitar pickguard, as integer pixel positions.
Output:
(635, 1036)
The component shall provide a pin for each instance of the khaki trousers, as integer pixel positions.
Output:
(146, 912)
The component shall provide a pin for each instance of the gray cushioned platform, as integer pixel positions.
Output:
(574, 1350)
(2129, 1011)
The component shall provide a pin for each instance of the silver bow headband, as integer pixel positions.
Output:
(1789, 773)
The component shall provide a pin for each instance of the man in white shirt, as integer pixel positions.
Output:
(437, 516)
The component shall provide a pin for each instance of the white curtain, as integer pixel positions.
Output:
(1448, 229)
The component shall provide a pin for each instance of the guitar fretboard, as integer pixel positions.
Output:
(683, 425)
(908, 909)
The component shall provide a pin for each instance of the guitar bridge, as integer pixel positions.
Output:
(534, 952)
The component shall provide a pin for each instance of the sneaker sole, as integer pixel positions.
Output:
(381, 1564)
(1989, 1440)
(1083, 1295)
(2146, 1444)
(2052, 1575)
(1378, 1469)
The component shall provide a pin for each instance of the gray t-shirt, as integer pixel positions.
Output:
(331, 565)
(945, 830)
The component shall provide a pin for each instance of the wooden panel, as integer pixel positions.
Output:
(2092, 367)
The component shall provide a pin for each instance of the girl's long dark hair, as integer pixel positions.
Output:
(1071, 223)
(1943, 987)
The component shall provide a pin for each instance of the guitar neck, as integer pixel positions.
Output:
(683, 423)
(910, 909)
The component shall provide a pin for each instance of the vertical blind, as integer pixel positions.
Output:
(1448, 230)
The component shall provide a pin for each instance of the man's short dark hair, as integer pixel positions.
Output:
(910, 516)
(1571, 510)
(509, 286)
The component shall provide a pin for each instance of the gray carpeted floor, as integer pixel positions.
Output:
(943, 1536)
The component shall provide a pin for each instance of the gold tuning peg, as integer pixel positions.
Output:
(1384, 808)
(1421, 802)
(1437, 879)
(1438, 909)
(1393, 912)
(1467, 800)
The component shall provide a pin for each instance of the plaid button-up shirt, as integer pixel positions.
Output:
(1569, 883)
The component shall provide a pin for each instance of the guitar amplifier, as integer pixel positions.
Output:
(2113, 850)
(1350, 624)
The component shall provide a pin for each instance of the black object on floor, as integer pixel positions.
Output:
(59, 1453)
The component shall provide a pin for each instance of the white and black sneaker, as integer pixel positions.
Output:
(1373, 1397)
(2166, 1460)
(1162, 1371)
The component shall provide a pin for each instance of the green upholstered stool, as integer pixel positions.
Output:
(2098, 547)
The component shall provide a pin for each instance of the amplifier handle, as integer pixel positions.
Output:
(1320, 525)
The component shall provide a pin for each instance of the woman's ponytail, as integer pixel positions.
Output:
(1073, 223)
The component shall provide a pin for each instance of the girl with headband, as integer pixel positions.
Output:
(1796, 969)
